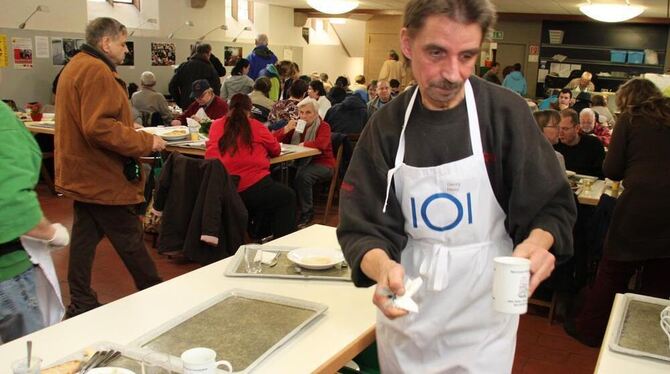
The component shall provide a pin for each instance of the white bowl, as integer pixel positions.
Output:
(166, 133)
(315, 258)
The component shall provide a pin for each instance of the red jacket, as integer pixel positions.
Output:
(215, 110)
(251, 165)
(321, 142)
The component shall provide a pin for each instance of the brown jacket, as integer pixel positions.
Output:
(94, 133)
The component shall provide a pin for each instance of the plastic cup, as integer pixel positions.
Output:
(21, 366)
(511, 277)
(252, 258)
(300, 126)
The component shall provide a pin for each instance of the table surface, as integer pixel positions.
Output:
(299, 151)
(610, 362)
(592, 195)
(345, 329)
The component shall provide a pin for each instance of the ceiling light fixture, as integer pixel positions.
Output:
(333, 6)
(611, 12)
(222, 27)
(39, 8)
(187, 23)
(246, 28)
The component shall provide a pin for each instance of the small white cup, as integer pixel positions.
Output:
(21, 366)
(300, 126)
(202, 361)
(253, 255)
(511, 277)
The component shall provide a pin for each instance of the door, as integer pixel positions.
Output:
(509, 54)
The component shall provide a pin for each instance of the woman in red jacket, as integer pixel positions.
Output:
(316, 134)
(244, 146)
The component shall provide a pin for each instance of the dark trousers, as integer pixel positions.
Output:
(121, 225)
(305, 178)
(268, 198)
(613, 277)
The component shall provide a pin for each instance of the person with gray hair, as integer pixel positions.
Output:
(260, 57)
(437, 188)
(149, 103)
(97, 162)
(309, 131)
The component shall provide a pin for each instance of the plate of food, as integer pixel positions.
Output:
(315, 258)
(174, 133)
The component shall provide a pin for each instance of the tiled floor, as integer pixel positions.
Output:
(541, 348)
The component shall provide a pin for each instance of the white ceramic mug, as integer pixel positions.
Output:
(511, 277)
(202, 361)
(300, 126)
(253, 255)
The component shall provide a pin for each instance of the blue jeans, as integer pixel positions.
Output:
(18, 304)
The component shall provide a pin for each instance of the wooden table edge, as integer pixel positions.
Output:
(348, 353)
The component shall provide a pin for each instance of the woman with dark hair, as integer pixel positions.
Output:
(336, 95)
(639, 235)
(244, 146)
(239, 81)
(343, 82)
(260, 98)
(317, 92)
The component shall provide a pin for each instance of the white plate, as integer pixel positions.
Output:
(315, 258)
(110, 370)
(570, 173)
(163, 131)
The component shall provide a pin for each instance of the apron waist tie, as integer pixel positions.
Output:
(434, 267)
(389, 178)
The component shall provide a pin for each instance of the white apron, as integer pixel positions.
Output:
(455, 228)
(46, 281)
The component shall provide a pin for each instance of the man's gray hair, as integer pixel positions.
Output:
(466, 12)
(101, 27)
(588, 112)
(262, 39)
(309, 101)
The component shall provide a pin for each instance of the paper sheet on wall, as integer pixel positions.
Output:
(4, 51)
(288, 54)
(575, 67)
(42, 47)
(541, 74)
(561, 70)
(22, 49)
(533, 58)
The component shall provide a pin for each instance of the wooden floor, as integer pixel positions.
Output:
(541, 348)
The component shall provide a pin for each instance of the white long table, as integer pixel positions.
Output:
(346, 328)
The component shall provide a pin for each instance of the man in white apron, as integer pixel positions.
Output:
(426, 197)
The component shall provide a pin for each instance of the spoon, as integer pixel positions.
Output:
(29, 343)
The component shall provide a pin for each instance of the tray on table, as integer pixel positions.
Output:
(638, 331)
(243, 327)
(284, 268)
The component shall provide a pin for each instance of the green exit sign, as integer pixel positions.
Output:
(497, 35)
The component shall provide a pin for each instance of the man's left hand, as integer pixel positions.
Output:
(536, 249)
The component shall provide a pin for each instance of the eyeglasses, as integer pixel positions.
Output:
(566, 128)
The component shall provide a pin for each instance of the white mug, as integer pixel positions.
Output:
(300, 126)
(202, 361)
(511, 277)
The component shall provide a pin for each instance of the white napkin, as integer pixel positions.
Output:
(192, 123)
(267, 257)
(200, 115)
(405, 301)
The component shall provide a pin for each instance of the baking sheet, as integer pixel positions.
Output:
(242, 326)
(285, 268)
(638, 331)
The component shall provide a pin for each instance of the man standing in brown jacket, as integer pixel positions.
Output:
(96, 162)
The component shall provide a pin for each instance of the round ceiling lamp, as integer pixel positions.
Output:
(611, 12)
(333, 6)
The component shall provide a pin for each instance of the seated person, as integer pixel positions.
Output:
(260, 99)
(349, 116)
(564, 100)
(583, 100)
(548, 121)
(286, 110)
(395, 87)
(589, 126)
(320, 167)
(244, 146)
(583, 154)
(599, 105)
(205, 98)
(383, 97)
(317, 92)
(147, 100)
(582, 84)
(359, 85)
(336, 95)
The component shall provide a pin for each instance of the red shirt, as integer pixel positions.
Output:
(216, 109)
(321, 142)
(251, 165)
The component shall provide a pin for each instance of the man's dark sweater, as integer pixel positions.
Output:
(527, 180)
(585, 157)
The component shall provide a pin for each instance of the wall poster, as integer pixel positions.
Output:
(231, 55)
(163, 54)
(4, 51)
(22, 49)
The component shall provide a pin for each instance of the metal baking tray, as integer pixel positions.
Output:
(285, 268)
(242, 326)
(638, 331)
(131, 358)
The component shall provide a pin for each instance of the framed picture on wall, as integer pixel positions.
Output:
(231, 55)
(163, 54)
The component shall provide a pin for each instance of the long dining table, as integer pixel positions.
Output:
(345, 329)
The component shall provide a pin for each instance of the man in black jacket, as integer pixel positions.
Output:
(197, 67)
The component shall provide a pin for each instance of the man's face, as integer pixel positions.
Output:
(587, 122)
(564, 99)
(205, 97)
(551, 132)
(384, 91)
(115, 48)
(307, 113)
(583, 82)
(443, 55)
(567, 131)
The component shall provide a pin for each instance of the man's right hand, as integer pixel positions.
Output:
(159, 144)
(389, 276)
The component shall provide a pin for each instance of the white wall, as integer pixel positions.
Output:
(325, 54)
(64, 15)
